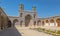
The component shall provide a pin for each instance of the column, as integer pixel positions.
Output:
(49, 23)
(41, 22)
(55, 23)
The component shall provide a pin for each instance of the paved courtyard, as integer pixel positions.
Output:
(28, 32)
(21, 31)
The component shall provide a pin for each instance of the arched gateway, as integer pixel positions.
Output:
(9, 24)
(15, 21)
(39, 22)
(52, 22)
(27, 20)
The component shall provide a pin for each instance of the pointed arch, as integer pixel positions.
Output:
(52, 23)
(14, 21)
(34, 23)
(58, 22)
(47, 21)
(27, 19)
(21, 23)
(38, 22)
(52, 20)
(9, 24)
(42, 23)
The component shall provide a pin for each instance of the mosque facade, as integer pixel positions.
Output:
(27, 18)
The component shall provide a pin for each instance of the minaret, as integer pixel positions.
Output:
(21, 7)
(34, 8)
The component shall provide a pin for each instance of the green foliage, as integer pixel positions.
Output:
(45, 31)
(54, 33)
(58, 32)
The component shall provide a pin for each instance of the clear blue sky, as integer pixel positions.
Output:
(44, 8)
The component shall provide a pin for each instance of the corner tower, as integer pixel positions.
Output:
(21, 9)
(34, 8)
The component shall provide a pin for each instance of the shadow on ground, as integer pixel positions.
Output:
(10, 32)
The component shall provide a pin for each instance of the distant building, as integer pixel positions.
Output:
(29, 18)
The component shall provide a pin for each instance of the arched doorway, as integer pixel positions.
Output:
(58, 22)
(15, 21)
(46, 23)
(9, 24)
(21, 23)
(52, 22)
(43, 23)
(27, 20)
(34, 23)
(38, 22)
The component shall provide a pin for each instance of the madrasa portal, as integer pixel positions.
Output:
(27, 18)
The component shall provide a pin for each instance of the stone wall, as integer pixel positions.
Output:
(50, 21)
(3, 19)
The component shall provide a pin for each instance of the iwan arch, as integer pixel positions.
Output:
(29, 18)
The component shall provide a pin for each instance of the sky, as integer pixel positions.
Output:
(44, 8)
